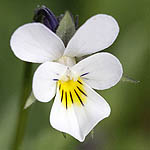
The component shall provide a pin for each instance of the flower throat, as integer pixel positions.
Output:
(72, 92)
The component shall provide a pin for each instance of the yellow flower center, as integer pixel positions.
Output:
(72, 92)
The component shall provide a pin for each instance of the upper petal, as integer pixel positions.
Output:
(34, 42)
(96, 34)
(44, 80)
(100, 71)
(77, 120)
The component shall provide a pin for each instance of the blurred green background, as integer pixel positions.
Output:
(128, 127)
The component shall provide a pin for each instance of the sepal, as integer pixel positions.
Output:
(92, 134)
(129, 79)
(64, 135)
(66, 28)
(31, 99)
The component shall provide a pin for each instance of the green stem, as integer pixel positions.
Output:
(23, 113)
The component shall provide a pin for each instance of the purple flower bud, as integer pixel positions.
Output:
(45, 16)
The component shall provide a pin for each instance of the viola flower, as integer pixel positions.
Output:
(77, 108)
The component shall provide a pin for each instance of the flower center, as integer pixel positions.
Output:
(71, 90)
(68, 61)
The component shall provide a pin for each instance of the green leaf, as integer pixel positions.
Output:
(31, 99)
(128, 79)
(66, 28)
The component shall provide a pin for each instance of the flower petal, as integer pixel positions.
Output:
(77, 120)
(34, 42)
(96, 34)
(100, 71)
(44, 80)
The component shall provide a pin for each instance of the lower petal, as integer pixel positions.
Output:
(79, 120)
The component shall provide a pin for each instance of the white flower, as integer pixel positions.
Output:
(77, 107)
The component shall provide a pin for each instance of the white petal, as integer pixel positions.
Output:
(96, 34)
(78, 121)
(100, 71)
(34, 42)
(44, 80)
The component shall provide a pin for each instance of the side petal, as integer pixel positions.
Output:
(100, 71)
(77, 120)
(96, 34)
(34, 42)
(44, 80)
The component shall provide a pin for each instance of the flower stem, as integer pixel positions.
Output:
(23, 113)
